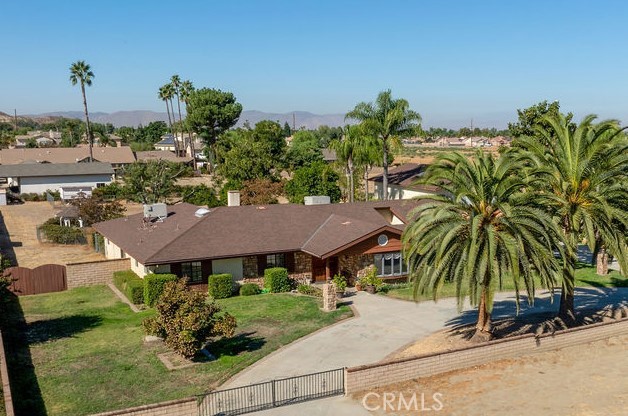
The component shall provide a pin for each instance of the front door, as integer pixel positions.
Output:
(319, 268)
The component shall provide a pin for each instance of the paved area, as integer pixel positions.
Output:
(385, 325)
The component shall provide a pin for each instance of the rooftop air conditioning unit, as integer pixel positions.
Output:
(158, 211)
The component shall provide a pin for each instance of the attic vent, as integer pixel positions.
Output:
(201, 212)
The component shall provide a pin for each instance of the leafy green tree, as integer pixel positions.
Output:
(531, 117)
(304, 149)
(315, 179)
(152, 181)
(388, 119)
(93, 210)
(246, 158)
(81, 73)
(270, 132)
(287, 131)
(481, 231)
(200, 195)
(212, 112)
(262, 191)
(584, 170)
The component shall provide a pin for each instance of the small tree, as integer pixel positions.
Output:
(186, 320)
(93, 210)
(316, 179)
(152, 181)
(260, 192)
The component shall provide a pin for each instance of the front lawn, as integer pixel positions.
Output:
(585, 277)
(88, 356)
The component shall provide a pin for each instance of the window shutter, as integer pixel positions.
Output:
(261, 264)
(289, 261)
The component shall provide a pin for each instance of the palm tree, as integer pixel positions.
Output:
(175, 81)
(355, 149)
(187, 88)
(481, 231)
(80, 72)
(388, 119)
(584, 169)
(165, 94)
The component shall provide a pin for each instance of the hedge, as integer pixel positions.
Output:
(154, 286)
(249, 289)
(59, 234)
(220, 285)
(131, 285)
(276, 280)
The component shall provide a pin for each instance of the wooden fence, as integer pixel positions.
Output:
(41, 279)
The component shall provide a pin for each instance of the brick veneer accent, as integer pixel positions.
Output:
(382, 374)
(183, 407)
(356, 265)
(6, 386)
(94, 272)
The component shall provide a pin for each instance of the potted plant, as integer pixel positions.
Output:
(340, 282)
(358, 285)
(371, 281)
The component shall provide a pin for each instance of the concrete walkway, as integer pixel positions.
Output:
(383, 326)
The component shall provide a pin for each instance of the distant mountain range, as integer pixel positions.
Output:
(135, 118)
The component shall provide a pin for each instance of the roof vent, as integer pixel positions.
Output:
(260, 207)
(201, 212)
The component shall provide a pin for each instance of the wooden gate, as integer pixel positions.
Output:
(42, 279)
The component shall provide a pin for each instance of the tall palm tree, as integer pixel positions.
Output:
(354, 149)
(175, 81)
(584, 169)
(81, 73)
(165, 94)
(388, 119)
(481, 231)
(186, 89)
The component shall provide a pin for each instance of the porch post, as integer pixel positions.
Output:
(327, 270)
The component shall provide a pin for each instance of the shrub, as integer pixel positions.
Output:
(186, 320)
(340, 282)
(110, 191)
(276, 280)
(59, 234)
(131, 285)
(154, 286)
(310, 290)
(220, 285)
(250, 289)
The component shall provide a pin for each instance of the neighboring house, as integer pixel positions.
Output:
(43, 139)
(402, 182)
(314, 242)
(118, 157)
(166, 143)
(162, 155)
(70, 178)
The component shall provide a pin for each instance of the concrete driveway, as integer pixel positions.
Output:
(383, 326)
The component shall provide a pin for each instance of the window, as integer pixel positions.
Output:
(390, 264)
(193, 271)
(276, 260)
(122, 254)
(100, 185)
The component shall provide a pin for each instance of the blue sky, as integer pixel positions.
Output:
(453, 60)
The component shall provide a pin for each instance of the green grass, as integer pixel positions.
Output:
(585, 277)
(88, 355)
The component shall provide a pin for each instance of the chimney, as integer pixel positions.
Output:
(233, 198)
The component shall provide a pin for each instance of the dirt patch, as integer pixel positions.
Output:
(581, 380)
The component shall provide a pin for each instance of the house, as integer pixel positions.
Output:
(166, 143)
(402, 182)
(162, 155)
(118, 157)
(67, 178)
(314, 242)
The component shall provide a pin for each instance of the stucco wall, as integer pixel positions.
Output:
(232, 266)
(40, 185)
(397, 192)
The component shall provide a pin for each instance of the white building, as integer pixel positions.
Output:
(402, 183)
(40, 177)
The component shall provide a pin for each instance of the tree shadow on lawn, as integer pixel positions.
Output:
(58, 328)
(592, 306)
(243, 342)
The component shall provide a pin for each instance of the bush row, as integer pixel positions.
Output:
(131, 285)
(59, 234)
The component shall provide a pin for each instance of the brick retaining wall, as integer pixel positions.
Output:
(182, 407)
(382, 374)
(4, 375)
(94, 272)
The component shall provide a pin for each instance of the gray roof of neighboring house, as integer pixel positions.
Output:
(55, 169)
(116, 155)
(162, 155)
(406, 176)
(250, 230)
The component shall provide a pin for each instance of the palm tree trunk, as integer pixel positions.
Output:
(180, 120)
(174, 134)
(366, 183)
(566, 309)
(385, 166)
(350, 182)
(169, 119)
(602, 262)
(483, 328)
(88, 131)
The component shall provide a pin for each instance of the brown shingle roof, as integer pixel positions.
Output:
(250, 230)
(161, 155)
(116, 155)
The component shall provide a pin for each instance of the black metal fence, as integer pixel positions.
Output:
(270, 394)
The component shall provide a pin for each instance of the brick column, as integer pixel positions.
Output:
(329, 297)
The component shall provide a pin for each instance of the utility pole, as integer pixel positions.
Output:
(294, 122)
(15, 119)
